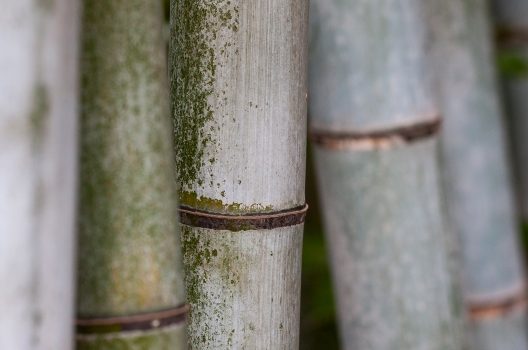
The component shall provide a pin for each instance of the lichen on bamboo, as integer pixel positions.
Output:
(239, 100)
(193, 75)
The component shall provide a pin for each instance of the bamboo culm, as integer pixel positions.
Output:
(130, 283)
(38, 153)
(477, 176)
(512, 35)
(238, 91)
(374, 124)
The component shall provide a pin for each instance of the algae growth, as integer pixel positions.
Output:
(207, 260)
(192, 200)
(196, 26)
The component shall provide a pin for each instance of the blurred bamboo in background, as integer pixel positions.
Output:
(130, 283)
(477, 176)
(512, 39)
(374, 125)
(38, 158)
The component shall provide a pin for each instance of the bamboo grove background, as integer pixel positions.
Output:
(462, 232)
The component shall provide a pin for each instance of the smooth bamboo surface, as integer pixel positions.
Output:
(388, 247)
(512, 34)
(130, 259)
(38, 165)
(477, 172)
(391, 253)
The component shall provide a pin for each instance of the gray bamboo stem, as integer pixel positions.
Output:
(237, 73)
(477, 175)
(512, 29)
(129, 251)
(38, 139)
(389, 247)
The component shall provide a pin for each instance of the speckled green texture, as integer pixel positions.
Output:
(239, 139)
(243, 287)
(129, 244)
(238, 92)
(215, 205)
(164, 339)
(193, 56)
(199, 253)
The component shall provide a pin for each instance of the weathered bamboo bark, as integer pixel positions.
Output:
(375, 131)
(130, 288)
(477, 176)
(38, 121)
(512, 34)
(239, 102)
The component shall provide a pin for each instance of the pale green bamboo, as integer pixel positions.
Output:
(237, 73)
(477, 176)
(390, 249)
(129, 250)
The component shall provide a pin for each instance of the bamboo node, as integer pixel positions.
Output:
(197, 218)
(499, 307)
(137, 322)
(511, 36)
(376, 139)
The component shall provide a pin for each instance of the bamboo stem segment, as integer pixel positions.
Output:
(38, 152)
(512, 35)
(238, 90)
(477, 175)
(130, 268)
(390, 250)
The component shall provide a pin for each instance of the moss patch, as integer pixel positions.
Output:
(191, 199)
(210, 261)
(196, 26)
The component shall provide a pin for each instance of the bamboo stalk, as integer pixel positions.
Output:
(512, 35)
(375, 126)
(239, 102)
(130, 287)
(38, 120)
(477, 176)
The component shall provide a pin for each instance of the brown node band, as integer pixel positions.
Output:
(512, 36)
(197, 218)
(376, 139)
(499, 307)
(143, 321)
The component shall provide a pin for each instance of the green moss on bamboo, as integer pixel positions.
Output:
(207, 258)
(195, 27)
(191, 199)
(129, 246)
